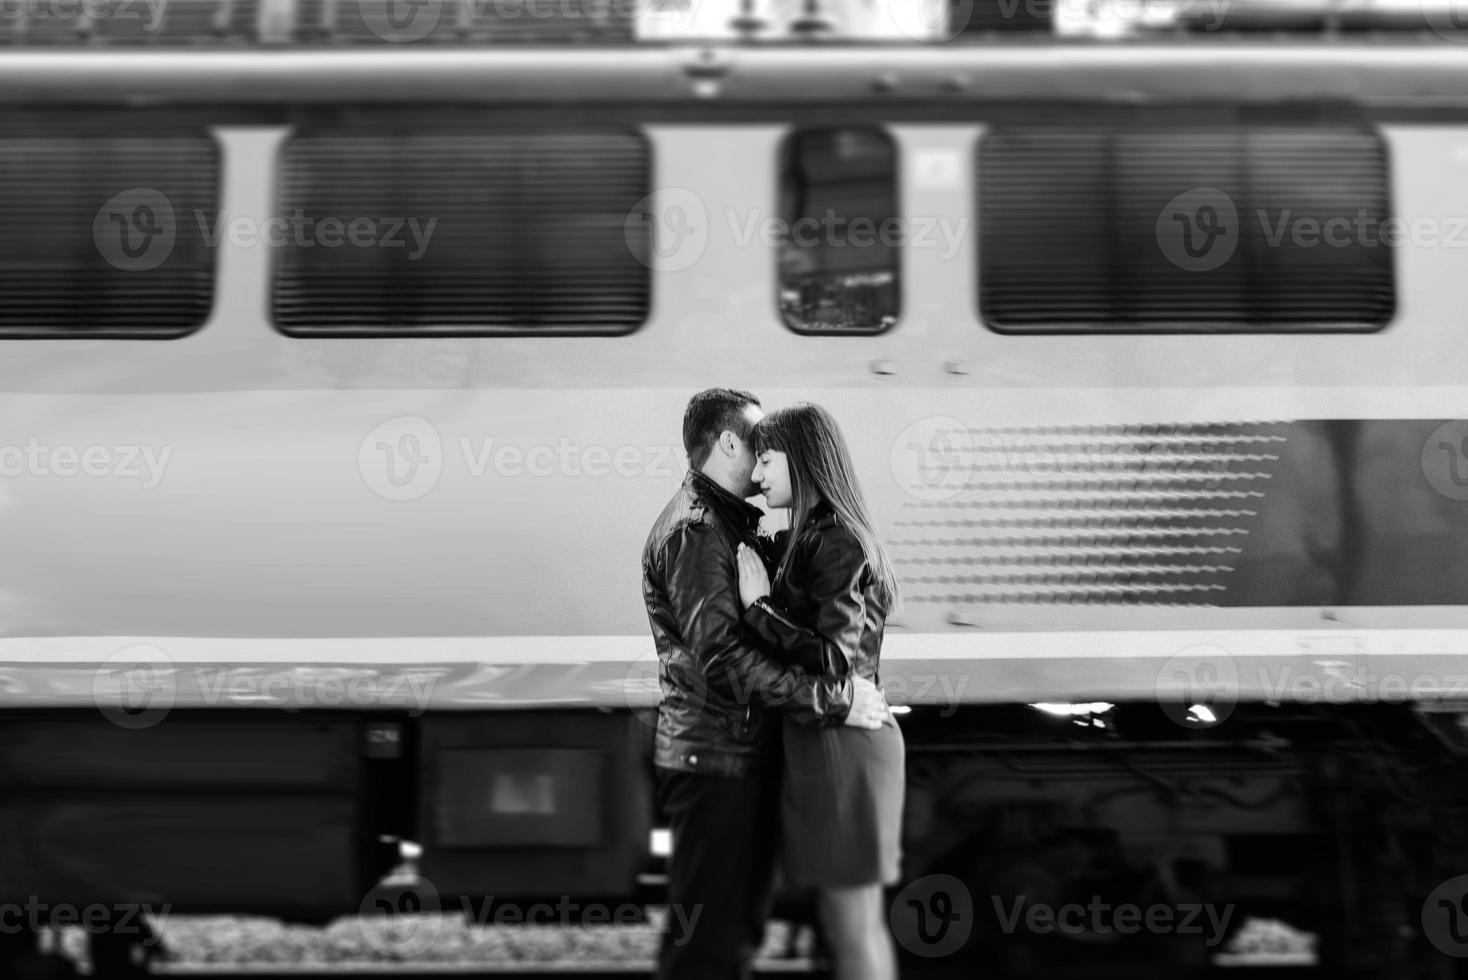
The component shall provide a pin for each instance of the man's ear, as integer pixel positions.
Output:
(729, 443)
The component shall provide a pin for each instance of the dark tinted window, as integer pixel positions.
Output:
(1221, 228)
(840, 235)
(465, 22)
(130, 22)
(968, 19)
(459, 233)
(104, 235)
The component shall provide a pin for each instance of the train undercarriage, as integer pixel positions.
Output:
(1340, 820)
(1034, 839)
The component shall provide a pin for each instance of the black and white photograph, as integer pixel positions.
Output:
(734, 489)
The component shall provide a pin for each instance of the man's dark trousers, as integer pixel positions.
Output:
(722, 869)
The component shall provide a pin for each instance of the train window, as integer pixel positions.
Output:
(839, 236)
(152, 23)
(101, 237)
(412, 232)
(1228, 228)
(466, 21)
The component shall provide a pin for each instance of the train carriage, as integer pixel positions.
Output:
(340, 387)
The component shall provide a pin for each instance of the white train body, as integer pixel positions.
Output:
(404, 529)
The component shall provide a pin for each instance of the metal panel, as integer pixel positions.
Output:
(217, 752)
(521, 797)
(236, 853)
(598, 852)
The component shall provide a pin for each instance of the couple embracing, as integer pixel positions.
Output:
(774, 744)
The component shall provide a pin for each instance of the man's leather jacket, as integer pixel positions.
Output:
(717, 683)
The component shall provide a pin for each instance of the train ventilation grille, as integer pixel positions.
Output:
(1088, 514)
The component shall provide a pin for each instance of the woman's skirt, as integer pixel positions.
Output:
(841, 806)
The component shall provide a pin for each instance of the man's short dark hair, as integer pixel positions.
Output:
(708, 414)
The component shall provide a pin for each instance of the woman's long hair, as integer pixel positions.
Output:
(820, 469)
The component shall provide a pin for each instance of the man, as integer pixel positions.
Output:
(718, 743)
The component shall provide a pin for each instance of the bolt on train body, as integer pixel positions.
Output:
(340, 383)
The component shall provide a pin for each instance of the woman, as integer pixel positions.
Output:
(841, 796)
